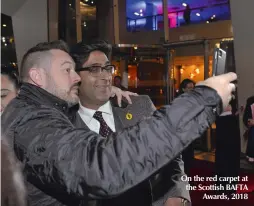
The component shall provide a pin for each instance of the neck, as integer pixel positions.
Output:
(90, 105)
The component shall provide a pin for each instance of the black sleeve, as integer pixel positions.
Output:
(59, 157)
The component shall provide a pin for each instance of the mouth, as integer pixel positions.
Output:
(102, 86)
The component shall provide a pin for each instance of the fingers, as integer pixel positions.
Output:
(229, 77)
(232, 87)
(119, 100)
(127, 96)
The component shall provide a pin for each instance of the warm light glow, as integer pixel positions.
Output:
(135, 47)
(4, 25)
(136, 13)
(191, 76)
(86, 0)
(198, 14)
(181, 71)
(129, 77)
(207, 22)
(197, 71)
(184, 4)
(161, 91)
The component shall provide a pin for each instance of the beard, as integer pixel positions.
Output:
(70, 96)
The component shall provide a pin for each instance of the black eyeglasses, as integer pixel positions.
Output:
(97, 70)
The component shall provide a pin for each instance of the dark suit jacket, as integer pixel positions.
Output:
(167, 183)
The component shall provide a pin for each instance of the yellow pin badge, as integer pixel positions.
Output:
(129, 116)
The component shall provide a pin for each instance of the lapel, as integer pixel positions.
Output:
(120, 113)
(79, 123)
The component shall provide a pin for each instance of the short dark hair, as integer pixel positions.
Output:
(118, 77)
(12, 74)
(81, 51)
(184, 84)
(38, 55)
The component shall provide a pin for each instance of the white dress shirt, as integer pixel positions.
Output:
(86, 115)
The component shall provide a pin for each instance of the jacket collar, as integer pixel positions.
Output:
(42, 97)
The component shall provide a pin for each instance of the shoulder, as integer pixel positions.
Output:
(141, 98)
(141, 102)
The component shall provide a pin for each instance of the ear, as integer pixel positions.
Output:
(35, 75)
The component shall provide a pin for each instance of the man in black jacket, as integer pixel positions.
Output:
(95, 70)
(67, 165)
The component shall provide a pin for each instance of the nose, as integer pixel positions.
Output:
(75, 77)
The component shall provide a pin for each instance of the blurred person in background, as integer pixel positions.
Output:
(118, 83)
(248, 119)
(9, 86)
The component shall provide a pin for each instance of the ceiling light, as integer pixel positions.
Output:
(69, 4)
(214, 16)
(141, 10)
(136, 13)
(184, 4)
(207, 22)
(141, 14)
(86, 0)
(198, 14)
(4, 25)
(91, 2)
(5, 44)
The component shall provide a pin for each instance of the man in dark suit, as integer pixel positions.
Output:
(100, 113)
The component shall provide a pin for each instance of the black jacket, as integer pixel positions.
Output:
(164, 184)
(72, 165)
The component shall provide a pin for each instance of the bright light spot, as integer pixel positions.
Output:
(141, 10)
(135, 47)
(129, 77)
(198, 14)
(69, 4)
(184, 4)
(86, 0)
(214, 16)
(207, 22)
(91, 2)
(141, 14)
(136, 13)
(4, 25)
(5, 44)
(3, 40)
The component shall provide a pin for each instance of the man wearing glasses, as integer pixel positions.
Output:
(101, 114)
